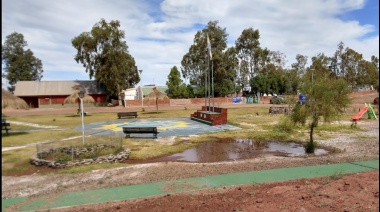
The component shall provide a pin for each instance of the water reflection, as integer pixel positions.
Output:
(236, 149)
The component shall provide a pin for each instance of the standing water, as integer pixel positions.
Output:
(235, 149)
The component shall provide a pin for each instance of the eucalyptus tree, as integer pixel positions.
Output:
(375, 62)
(227, 76)
(327, 97)
(294, 80)
(20, 63)
(242, 77)
(105, 56)
(368, 74)
(300, 65)
(351, 60)
(248, 49)
(194, 64)
(337, 65)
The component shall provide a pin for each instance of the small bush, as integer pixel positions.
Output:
(310, 147)
(285, 125)
(62, 157)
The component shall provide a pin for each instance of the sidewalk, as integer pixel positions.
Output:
(185, 185)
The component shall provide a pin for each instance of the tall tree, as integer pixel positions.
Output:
(227, 74)
(375, 62)
(177, 89)
(300, 65)
(105, 56)
(195, 64)
(351, 60)
(231, 66)
(327, 97)
(337, 65)
(20, 64)
(248, 49)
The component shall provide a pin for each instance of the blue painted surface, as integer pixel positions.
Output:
(167, 127)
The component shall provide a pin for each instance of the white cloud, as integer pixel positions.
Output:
(154, 31)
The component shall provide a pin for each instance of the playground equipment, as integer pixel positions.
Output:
(367, 108)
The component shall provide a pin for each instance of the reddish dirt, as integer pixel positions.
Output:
(354, 192)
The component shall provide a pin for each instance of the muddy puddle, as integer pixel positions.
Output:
(235, 149)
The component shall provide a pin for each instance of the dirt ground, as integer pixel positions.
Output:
(354, 192)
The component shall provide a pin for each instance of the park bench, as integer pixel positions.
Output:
(126, 114)
(5, 126)
(140, 130)
(280, 109)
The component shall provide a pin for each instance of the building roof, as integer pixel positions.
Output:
(56, 88)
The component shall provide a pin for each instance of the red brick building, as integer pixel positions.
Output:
(51, 94)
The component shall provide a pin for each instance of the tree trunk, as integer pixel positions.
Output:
(156, 104)
(311, 133)
(79, 111)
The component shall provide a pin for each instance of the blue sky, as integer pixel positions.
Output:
(160, 32)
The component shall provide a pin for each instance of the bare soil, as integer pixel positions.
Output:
(354, 192)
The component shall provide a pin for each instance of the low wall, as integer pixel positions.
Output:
(360, 93)
(191, 101)
(120, 157)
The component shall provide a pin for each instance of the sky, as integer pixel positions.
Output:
(160, 32)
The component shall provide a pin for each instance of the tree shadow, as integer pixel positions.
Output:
(151, 113)
(10, 133)
(77, 115)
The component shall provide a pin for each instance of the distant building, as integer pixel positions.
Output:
(48, 94)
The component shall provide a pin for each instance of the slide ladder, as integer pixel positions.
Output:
(371, 112)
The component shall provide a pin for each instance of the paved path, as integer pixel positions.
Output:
(185, 185)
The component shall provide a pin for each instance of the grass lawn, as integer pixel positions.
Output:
(255, 123)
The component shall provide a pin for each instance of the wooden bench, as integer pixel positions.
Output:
(126, 114)
(140, 130)
(5, 126)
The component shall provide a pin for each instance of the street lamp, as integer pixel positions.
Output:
(81, 95)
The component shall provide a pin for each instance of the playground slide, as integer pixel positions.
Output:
(360, 114)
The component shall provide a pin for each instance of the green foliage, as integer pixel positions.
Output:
(274, 81)
(20, 64)
(327, 96)
(61, 157)
(350, 65)
(310, 147)
(248, 49)
(285, 125)
(105, 56)
(300, 114)
(177, 89)
(190, 92)
(195, 63)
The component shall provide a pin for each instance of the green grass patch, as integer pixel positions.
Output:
(255, 123)
(22, 138)
(16, 161)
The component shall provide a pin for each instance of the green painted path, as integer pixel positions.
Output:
(185, 185)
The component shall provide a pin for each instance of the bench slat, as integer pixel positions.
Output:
(123, 114)
(5, 126)
(142, 130)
